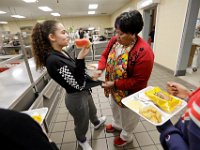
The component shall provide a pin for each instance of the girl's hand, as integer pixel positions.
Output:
(83, 53)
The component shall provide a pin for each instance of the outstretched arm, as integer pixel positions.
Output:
(178, 90)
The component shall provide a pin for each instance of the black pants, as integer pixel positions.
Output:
(82, 108)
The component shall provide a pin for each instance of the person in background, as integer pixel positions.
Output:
(95, 36)
(90, 36)
(48, 39)
(87, 35)
(81, 33)
(151, 34)
(77, 34)
(19, 131)
(128, 62)
(185, 134)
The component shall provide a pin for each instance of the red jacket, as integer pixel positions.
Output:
(140, 64)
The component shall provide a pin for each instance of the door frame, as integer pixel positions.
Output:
(187, 37)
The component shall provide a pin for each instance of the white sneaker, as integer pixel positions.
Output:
(85, 145)
(101, 122)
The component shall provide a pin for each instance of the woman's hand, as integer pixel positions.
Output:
(178, 90)
(108, 84)
(83, 53)
(97, 74)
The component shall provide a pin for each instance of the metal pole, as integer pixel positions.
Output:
(27, 64)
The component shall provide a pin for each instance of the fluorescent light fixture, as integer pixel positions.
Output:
(30, 1)
(17, 16)
(91, 28)
(91, 12)
(147, 3)
(40, 21)
(45, 8)
(3, 22)
(2, 12)
(93, 6)
(55, 14)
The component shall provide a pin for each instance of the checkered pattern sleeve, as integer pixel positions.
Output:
(64, 71)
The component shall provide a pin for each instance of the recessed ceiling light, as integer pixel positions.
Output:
(2, 12)
(55, 14)
(45, 8)
(91, 12)
(17, 16)
(3, 22)
(30, 1)
(93, 6)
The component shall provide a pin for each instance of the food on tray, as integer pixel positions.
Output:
(163, 100)
(151, 113)
(37, 117)
(81, 43)
(163, 96)
(135, 104)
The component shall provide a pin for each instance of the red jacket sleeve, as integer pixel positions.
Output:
(104, 55)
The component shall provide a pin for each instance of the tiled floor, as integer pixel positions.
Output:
(192, 77)
(146, 136)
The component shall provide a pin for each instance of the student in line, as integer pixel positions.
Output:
(185, 134)
(48, 39)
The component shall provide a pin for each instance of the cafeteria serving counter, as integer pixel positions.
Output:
(14, 83)
(18, 93)
(98, 48)
(95, 53)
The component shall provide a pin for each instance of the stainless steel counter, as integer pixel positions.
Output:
(15, 83)
(95, 53)
(4, 57)
(100, 42)
(98, 48)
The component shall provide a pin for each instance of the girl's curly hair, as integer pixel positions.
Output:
(41, 45)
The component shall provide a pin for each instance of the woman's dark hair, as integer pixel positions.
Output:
(40, 41)
(130, 22)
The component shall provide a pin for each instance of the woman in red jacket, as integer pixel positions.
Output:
(128, 62)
